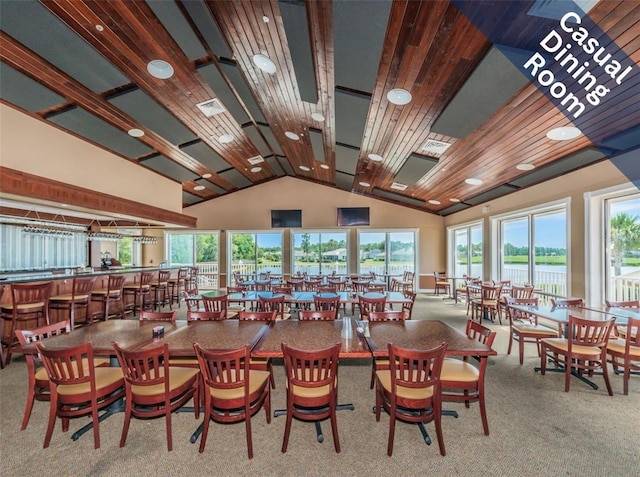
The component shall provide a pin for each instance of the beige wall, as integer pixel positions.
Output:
(29, 145)
(250, 209)
(571, 186)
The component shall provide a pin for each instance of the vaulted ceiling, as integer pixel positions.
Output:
(324, 114)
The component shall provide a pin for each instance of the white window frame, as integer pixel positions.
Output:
(451, 245)
(320, 232)
(386, 232)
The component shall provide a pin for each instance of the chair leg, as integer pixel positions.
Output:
(168, 421)
(605, 375)
(29, 406)
(511, 338)
(334, 428)
(53, 410)
(567, 375)
(437, 418)
(521, 350)
(247, 423)
(392, 429)
(287, 430)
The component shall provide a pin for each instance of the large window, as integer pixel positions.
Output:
(622, 250)
(533, 248)
(320, 253)
(387, 252)
(196, 249)
(466, 247)
(254, 252)
(23, 250)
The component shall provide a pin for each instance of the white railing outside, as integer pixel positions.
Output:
(624, 288)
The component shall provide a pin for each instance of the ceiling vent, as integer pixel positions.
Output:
(255, 160)
(398, 186)
(211, 107)
(435, 147)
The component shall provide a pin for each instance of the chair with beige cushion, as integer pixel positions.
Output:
(524, 327)
(140, 293)
(487, 304)
(383, 362)
(411, 390)
(274, 303)
(464, 382)
(154, 388)
(110, 299)
(441, 283)
(78, 387)
(625, 353)
(312, 388)
(29, 306)
(583, 351)
(38, 387)
(81, 288)
(233, 392)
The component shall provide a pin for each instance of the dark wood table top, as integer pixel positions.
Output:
(310, 335)
(213, 335)
(128, 333)
(561, 314)
(423, 334)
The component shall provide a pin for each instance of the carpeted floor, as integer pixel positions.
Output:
(536, 429)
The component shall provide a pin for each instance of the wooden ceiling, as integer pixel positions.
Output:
(82, 66)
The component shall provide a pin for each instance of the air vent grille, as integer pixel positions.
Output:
(435, 147)
(255, 160)
(211, 107)
(398, 186)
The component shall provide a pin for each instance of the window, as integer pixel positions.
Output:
(622, 250)
(320, 253)
(253, 252)
(390, 253)
(532, 248)
(196, 249)
(129, 251)
(466, 251)
(39, 251)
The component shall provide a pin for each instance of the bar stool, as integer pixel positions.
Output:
(30, 301)
(192, 278)
(141, 293)
(160, 289)
(110, 296)
(177, 284)
(81, 289)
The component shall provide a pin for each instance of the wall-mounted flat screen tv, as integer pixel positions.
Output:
(286, 218)
(353, 216)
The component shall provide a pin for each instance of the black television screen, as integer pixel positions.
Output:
(353, 216)
(286, 218)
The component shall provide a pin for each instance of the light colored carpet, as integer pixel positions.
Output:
(536, 429)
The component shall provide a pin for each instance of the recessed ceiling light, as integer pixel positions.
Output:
(324, 166)
(525, 167)
(256, 169)
(265, 19)
(434, 202)
(364, 184)
(160, 69)
(317, 116)
(292, 135)
(376, 157)
(563, 133)
(473, 181)
(264, 63)
(225, 138)
(453, 199)
(399, 96)
(305, 168)
(135, 132)
(199, 187)
(206, 176)
(99, 28)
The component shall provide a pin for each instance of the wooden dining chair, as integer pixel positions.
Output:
(276, 304)
(487, 304)
(215, 303)
(154, 388)
(464, 382)
(159, 315)
(233, 390)
(441, 283)
(410, 390)
(38, 379)
(383, 362)
(206, 316)
(327, 302)
(319, 315)
(367, 305)
(29, 302)
(191, 298)
(407, 306)
(583, 351)
(177, 284)
(567, 302)
(260, 363)
(625, 353)
(312, 388)
(524, 327)
(160, 290)
(78, 387)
